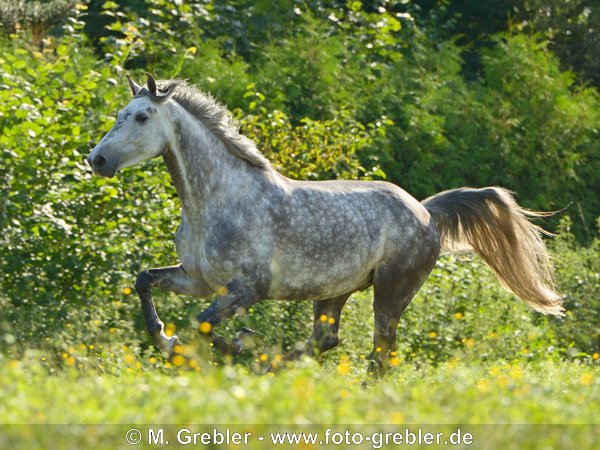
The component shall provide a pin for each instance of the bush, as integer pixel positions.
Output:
(38, 18)
(314, 150)
(529, 128)
(67, 239)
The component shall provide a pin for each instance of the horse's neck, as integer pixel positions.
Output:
(202, 169)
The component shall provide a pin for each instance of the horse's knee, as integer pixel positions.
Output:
(143, 282)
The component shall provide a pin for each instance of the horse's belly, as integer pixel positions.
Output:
(318, 280)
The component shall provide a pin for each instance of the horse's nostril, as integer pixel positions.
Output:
(99, 161)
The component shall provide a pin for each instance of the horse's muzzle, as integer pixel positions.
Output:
(102, 166)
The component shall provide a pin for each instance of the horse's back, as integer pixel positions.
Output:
(378, 203)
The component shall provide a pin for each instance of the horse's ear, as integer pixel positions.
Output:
(152, 85)
(157, 94)
(135, 88)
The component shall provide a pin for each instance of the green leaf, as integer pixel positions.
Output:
(62, 50)
(70, 77)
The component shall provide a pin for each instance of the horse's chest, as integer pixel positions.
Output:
(213, 252)
(188, 244)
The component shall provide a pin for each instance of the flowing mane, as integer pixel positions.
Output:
(216, 118)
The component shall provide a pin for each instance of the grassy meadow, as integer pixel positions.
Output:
(469, 354)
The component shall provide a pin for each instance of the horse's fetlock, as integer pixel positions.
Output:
(155, 328)
(376, 369)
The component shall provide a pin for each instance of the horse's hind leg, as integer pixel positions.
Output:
(393, 291)
(173, 279)
(326, 325)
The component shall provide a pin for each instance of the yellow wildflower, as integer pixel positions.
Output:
(516, 373)
(502, 381)
(396, 418)
(483, 385)
(178, 360)
(344, 366)
(469, 342)
(170, 329)
(205, 327)
(586, 379)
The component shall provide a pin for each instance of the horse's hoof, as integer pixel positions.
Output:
(376, 370)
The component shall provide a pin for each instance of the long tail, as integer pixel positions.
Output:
(490, 222)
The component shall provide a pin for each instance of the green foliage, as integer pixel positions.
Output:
(58, 223)
(572, 27)
(529, 128)
(302, 73)
(546, 128)
(222, 73)
(153, 32)
(313, 150)
(36, 17)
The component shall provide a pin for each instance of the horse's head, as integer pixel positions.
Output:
(141, 131)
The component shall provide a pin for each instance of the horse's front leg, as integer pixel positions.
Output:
(237, 298)
(173, 279)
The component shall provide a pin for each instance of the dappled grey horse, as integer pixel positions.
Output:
(248, 233)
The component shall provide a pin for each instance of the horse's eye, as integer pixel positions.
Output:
(141, 117)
